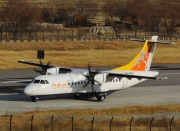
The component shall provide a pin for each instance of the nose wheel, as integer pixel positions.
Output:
(34, 98)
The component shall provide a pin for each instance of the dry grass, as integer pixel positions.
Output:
(116, 111)
(79, 54)
(83, 119)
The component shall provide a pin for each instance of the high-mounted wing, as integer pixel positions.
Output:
(47, 68)
(35, 64)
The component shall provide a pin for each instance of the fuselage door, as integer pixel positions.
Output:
(68, 84)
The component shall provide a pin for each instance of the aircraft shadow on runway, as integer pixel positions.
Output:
(164, 68)
(11, 89)
(169, 69)
(16, 80)
(22, 97)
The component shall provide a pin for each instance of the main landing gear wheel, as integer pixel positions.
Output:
(34, 98)
(76, 96)
(100, 98)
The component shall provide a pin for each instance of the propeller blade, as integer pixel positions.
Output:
(86, 84)
(97, 82)
(43, 68)
(90, 77)
(92, 87)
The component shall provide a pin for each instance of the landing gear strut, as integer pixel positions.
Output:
(34, 98)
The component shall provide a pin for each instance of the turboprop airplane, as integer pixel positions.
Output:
(87, 83)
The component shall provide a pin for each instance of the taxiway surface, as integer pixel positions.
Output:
(150, 92)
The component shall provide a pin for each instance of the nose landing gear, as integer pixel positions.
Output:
(34, 98)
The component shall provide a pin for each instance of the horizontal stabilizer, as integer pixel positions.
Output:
(136, 39)
(157, 42)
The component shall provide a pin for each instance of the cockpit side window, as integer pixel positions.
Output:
(42, 82)
(32, 81)
(46, 82)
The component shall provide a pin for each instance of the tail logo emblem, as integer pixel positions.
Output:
(142, 60)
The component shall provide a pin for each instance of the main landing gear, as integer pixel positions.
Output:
(34, 98)
(99, 96)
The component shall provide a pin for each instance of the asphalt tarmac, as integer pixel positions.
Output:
(150, 92)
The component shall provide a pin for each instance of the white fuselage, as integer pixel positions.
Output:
(75, 83)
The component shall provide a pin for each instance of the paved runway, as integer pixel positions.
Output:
(150, 92)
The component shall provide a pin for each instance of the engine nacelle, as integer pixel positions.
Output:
(101, 78)
(52, 71)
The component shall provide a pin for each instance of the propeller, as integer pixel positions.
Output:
(90, 77)
(43, 67)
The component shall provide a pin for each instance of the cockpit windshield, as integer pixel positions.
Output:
(40, 82)
(36, 81)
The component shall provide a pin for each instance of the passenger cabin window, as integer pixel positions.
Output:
(79, 83)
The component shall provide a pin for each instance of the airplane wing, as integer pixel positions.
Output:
(35, 64)
(47, 68)
(130, 76)
(110, 76)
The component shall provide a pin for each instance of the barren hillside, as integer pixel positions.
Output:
(99, 19)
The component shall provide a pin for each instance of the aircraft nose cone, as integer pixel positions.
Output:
(28, 91)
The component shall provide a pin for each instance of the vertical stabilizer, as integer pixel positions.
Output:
(143, 59)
